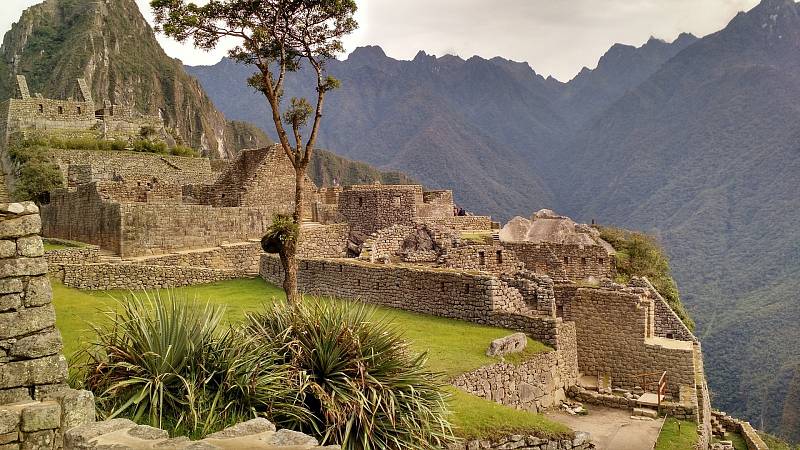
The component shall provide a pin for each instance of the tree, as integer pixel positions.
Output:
(277, 37)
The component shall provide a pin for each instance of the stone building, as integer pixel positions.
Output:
(31, 114)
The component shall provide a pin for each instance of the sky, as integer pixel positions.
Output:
(556, 37)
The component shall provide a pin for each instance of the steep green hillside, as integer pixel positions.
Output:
(111, 45)
(325, 167)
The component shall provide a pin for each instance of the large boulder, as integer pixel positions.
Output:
(514, 343)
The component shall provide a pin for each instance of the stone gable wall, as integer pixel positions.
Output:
(565, 261)
(614, 330)
(667, 324)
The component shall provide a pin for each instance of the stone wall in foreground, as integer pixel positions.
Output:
(36, 406)
(580, 441)
(108, 276)
(538, 383)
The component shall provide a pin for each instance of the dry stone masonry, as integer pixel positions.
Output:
(36, 406)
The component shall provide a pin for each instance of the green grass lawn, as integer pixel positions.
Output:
(60, 244)
(453, 346)
(671, 438)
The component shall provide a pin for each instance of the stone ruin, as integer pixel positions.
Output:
(38, 411)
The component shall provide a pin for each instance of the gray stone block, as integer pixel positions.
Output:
(38, 440)
(15, 395)
(7, 438)
(9, 419)
(38, 292)
(29, 320)
(20, 267)
(41, 416)
(21, 226)
(37, 345)
(47, 370)
(77, 408)
(147, 433)
(10, 285)
(10, 302)
(291, 438)
(80, 436)
(253, 426)
(7, 249)
(30, 246)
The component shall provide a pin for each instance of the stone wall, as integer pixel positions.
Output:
(616, 338)
(580, 441)
(460, 223)
(704, 430)
(108, 276)
(385, 243)
(486, 258)
(536, 384)
(748, 433)
(96, 165)
(474, 297)
(255, 434)
(82, 215)
(369, 208)
(668, 324)
(241, 257)
(323, 241)
(565, 261)
(36, 406)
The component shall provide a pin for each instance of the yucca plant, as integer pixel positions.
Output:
(365, 388)
(162, 361)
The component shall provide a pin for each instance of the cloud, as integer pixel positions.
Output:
(557, 37)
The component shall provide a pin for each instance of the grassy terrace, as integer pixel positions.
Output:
(453, 346)
(677, 435)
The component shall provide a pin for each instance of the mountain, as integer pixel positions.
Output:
(706, 154)
(696, 141)
(110, 44)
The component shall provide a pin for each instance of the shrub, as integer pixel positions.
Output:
(639, 254)
(36, 174)
(182, 150)
(161, 361)
(365, 388)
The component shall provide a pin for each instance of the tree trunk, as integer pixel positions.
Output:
(289, 254)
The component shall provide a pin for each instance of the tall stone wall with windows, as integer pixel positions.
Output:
(36, 406)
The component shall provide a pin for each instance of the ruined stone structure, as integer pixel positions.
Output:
(79, 117)
(36, 406)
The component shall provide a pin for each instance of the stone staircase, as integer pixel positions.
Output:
(717, 429)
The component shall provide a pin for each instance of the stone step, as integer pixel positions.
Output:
(645, 412)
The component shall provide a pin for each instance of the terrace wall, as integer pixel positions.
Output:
(82, 215)
(108, 276)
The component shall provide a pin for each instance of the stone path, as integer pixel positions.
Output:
(613, 429)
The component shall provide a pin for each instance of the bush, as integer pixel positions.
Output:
(182, 150)
(164, 363)
(639, 254)
(36, 174)
(365, 388)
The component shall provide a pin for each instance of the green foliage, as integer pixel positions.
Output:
(476, 418)
(366, 388)
(326, 167)
(677, 435)
(282, 232)
(776, 443)
(95, 143)
(36, 174)
(638, 254)
(163, 362)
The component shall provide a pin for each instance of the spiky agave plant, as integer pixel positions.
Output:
(161, 360)
(366, 389)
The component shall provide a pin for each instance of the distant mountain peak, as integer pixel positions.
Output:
(367, 53)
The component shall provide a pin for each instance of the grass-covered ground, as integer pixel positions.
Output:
(453, 346)
(60, 244)
(677, 435)
(736, 439)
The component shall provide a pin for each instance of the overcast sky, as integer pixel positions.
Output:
(556, 37)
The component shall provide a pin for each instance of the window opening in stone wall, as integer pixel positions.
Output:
(583, 261)
(482, 258)
(360, 201)
(670, 336)
(499, 257)
(601, 261)
(61, 110)
(566, 260)
(466, 289)
(560, 311)
(79, 109)
(41, 108)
